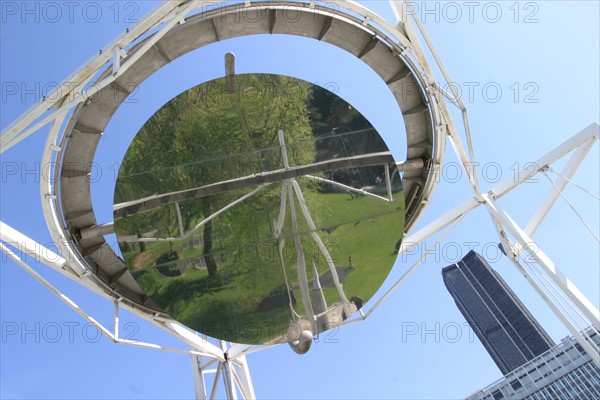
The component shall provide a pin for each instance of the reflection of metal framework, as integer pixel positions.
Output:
(177, 27)
(173, 30)
(155, 201)
(290, 191)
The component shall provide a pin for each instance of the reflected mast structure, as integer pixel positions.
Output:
(393, 50)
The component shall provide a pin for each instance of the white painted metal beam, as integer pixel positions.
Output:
(535, 251)
(573, 164)
(245, 378)
(514, 252)
(228, 379)
(199, 383)
(400, 11)
(591, 132)
(30, 247)
(75, 82)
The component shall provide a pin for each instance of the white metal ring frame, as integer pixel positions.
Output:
(77, 143)
(71, 219)
(402, 43)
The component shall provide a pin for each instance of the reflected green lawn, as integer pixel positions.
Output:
(235, 275)
(234, 303)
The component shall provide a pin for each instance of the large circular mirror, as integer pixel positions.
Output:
(249, 205)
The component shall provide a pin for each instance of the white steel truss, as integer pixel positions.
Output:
(229, 361)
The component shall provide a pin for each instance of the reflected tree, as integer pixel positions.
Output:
(227, 273)
(190, 141)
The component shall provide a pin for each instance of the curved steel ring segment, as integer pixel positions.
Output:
(355, 29)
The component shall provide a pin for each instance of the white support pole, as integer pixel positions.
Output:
(468, 164)
(237, 380)
(116, 60)
(113, 337)
(228, 379)
(525, 241)
(301, 262)
(283, 149)
(400, 10)
(60, 295)
(199, 384)
(591, 132)
(30, 247)
(413, 240)
(576, 330)
(213, 391)
(196, 341)
(245, 378)
(116, 318)
(25, 244)
(404, 22)
(589, 346)
(98, 230)
(237, 350)
(568, 171)
(169, 14)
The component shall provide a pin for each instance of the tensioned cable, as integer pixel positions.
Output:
(510, 245)
(571, 205)
(544, 278)
(488, 307)
(573, 182)
(582, 330)
(556, 294)
(554, 291)
(538, 328)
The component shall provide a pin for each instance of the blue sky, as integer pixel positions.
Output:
(535, 80)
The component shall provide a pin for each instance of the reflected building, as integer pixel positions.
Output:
(507, 330)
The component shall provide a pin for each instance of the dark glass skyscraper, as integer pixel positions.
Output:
(506, 329)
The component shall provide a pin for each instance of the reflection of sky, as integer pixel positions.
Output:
(376, 358)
